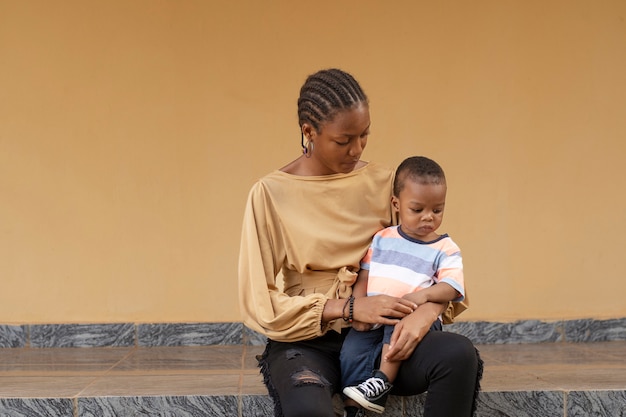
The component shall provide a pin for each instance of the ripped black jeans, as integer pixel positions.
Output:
(302, 377)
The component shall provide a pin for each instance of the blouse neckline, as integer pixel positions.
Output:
(324, 177)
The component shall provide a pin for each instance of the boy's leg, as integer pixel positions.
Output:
(390, 369)
(366, 386)
(359, 354)
(372, 393)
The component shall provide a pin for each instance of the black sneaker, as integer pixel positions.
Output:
(353, 412)
(371, 394)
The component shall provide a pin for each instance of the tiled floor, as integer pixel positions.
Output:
(231, 371)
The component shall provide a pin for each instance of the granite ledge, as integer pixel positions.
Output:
(234, 333)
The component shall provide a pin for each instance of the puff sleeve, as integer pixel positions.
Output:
(264, 307)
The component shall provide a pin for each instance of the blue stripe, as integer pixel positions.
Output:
(408, 261)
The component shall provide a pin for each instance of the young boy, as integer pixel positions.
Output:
(411, 261)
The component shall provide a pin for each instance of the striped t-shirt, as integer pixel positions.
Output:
(399, 264)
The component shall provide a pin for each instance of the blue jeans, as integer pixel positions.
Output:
(361, 351)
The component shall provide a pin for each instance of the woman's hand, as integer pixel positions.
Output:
(410, 331)
(382, 309)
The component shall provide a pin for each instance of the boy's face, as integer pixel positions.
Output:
(420, 208)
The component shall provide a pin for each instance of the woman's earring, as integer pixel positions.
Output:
(307, 149)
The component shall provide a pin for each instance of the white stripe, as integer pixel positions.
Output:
(400, 274)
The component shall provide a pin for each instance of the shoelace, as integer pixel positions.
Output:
(373, 386)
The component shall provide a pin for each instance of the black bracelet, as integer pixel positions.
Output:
(349, 302)
(351, 316)
(343, 310)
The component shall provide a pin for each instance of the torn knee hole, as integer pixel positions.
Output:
(308, 377)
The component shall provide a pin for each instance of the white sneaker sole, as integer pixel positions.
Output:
(354, 394)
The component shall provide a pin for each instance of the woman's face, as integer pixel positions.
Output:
(339, 143)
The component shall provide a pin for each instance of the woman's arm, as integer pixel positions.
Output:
(359, 290)
(264, 307)
(367, 310)
(382, 309)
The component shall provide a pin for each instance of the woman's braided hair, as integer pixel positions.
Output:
(325, 93)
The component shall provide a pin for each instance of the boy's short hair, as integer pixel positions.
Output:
(420, 169)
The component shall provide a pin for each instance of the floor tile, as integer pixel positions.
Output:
(163, 385)
(507, 378)
(596, 403)
(584, 378)
(616, 350)
(537, 354)
(253, 384)
(535, 403)
(161, 406)
(250, 360)
(196, 358)
(42, 386)
(36, 407)
(60, 361)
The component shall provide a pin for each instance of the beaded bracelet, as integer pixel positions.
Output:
(350, 303)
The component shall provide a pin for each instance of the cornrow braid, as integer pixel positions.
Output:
(325, 93)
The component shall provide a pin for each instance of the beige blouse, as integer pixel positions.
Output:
(312, 231)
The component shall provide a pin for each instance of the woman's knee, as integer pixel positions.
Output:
(462, 350)
(454, 354)
(309, 401)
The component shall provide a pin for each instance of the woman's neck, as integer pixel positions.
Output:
(305, 167)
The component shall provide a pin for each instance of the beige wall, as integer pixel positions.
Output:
(131, 131)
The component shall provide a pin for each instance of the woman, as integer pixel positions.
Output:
(311, 222)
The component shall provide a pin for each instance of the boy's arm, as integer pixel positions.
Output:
(359, 289)
(437, 293)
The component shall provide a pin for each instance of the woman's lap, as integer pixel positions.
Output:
(305, 375)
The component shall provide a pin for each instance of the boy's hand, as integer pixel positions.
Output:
(411, 330)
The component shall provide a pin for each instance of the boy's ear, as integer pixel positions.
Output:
(395, 203)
